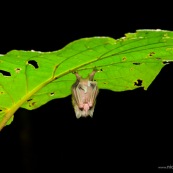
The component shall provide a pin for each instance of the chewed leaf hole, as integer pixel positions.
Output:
(138, 82)
(29, 100)
(32, 104)
(52, 94)
(136, 63)
(151, 53)
(33, 63)
(5, 73)
(17, 70)
(167, 62)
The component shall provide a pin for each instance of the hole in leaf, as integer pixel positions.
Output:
(17, 70)
(101, 69)
(167, 62)
(0, 110)
(5, 73)
(33, 63)
(52, 94)
(136, 63)
(31, 103)
(138, 83)
(29, 100)
(151, 53)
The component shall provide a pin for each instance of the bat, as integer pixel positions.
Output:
(84, 93)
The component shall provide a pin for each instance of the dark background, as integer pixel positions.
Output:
(130, 130)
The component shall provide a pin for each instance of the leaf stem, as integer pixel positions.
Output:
(9, 113)
(7, 116)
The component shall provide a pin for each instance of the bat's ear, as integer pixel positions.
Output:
(78, 77)
(91, 76)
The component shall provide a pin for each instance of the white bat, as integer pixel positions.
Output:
(84, 93)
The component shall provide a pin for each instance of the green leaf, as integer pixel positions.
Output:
(30, 79)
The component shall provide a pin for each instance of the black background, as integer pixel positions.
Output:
(130, 130)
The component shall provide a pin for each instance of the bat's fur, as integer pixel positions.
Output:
(84, 93)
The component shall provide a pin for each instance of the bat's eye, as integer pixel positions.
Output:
(80, 87)
(93, 85)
